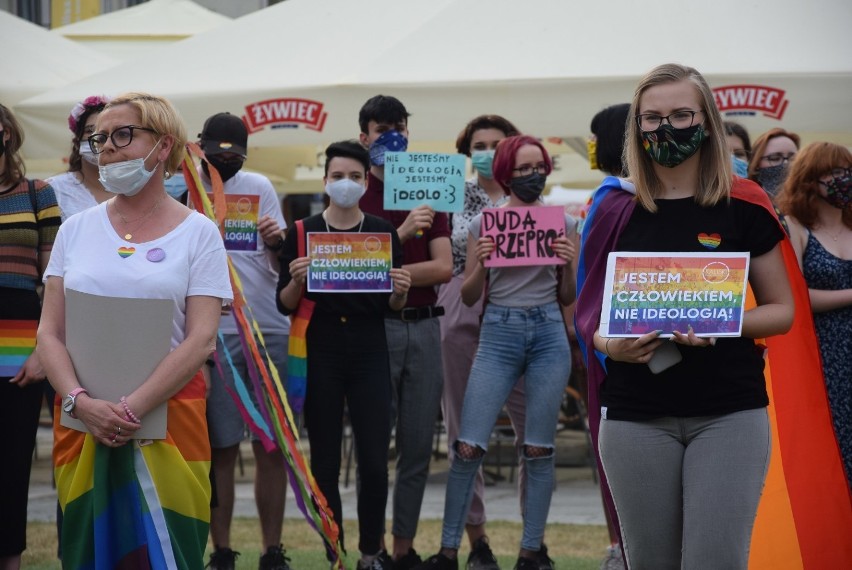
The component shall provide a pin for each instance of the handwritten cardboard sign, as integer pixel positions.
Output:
(416, 178)
(523, 236)
(349, 262)
(647, 291)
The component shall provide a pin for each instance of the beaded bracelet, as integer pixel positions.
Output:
(130, 415)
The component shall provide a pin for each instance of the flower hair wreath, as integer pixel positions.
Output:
(85, 105)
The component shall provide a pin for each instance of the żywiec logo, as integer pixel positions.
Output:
(287, 113)
(751, 99)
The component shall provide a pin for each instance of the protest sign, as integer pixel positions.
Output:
(349, 262)
(648, 291)
(416, 178)
(241, 221)
(523, 236)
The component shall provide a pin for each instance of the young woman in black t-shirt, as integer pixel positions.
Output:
(686, 450)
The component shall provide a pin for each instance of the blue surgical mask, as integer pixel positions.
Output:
(175, 186)
(740, 166)
(127, 177)
(388, 141)
(482, 161)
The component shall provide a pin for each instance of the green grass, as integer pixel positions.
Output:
(573, 547)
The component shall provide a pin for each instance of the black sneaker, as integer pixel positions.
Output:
(407, 562)
(223, 559)
(436, 562)
(380, 562)
(274, 559)
(525, 563)
(544, 561)
(481, 557)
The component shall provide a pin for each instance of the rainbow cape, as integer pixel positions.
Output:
(804, 520)
(122, 507)
(269, 415)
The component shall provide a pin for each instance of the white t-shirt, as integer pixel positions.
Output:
(92, 258)
(251, 196)
(71, 194)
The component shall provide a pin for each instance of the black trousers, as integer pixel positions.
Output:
(348, 363)
(19, 411)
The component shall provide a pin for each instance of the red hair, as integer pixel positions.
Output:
(759, 147)
(506, 153)
(800, 193)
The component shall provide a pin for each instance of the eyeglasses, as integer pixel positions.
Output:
(120, 137)
(840, 173)
(679, 120)
(776, 158)
(528, 169)
(741, 153)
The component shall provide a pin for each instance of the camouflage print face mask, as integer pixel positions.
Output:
(669, 146)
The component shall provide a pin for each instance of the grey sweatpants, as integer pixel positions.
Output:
(686, 489)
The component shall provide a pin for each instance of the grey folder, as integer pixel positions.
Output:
(115, 344)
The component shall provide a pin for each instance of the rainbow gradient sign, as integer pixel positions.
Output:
(349, 262)
(648, 291)
(241, 221)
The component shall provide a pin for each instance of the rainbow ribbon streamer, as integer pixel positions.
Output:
(271, 418)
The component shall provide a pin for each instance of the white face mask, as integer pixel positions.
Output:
(127, 177)
(345, 193)
(87, 154)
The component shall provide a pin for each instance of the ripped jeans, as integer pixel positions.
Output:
(514, 342)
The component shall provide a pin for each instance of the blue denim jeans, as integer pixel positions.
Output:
(514, 342)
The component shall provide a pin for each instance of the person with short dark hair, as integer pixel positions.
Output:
(253, 238)
(347, 354)
(413, 334)
(608, 126)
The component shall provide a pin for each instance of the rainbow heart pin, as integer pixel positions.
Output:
(126, 252)
(710, 241)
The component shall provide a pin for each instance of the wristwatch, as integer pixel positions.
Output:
(70, 401)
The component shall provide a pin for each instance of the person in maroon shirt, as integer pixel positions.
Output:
(413, 334)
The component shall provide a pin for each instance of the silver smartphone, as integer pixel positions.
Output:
(666, 356)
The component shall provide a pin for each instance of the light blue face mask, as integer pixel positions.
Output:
(740, 166)
(175, 186)
(482, 161)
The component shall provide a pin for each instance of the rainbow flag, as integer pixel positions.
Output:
(268, 415)
(17, 342)
(121, 506)
(804, 520)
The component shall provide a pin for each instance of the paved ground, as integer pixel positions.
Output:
(575, 500)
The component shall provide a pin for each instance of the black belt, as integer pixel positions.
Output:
(412, 314)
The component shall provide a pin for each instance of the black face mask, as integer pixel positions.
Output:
(528, 188)
(227, 169)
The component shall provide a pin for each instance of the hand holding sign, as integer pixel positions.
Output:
(416, 178)
(483, 248)
(526, 236)
(418, 220)
(564, 249)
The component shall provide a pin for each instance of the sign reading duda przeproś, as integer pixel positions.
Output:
(648, 291)
(523, 236)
